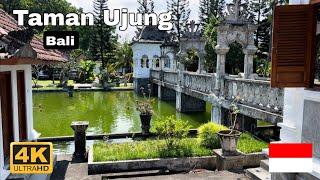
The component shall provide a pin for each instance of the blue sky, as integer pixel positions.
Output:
(132, 5)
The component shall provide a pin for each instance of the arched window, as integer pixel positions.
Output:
(147, 63)
(156, 61)
(167, 61)
(143, 61)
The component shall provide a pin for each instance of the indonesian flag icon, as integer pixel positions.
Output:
(289, 158)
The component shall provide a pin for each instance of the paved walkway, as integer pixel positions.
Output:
(66, 169)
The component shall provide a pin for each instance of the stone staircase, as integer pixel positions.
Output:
(260, 173)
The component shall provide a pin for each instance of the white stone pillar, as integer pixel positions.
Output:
(201, 64)
(220, 69)
(216, 113)
(248, 61)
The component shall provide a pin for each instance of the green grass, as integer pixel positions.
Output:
(46, 84)
(248, 144)
(151, 149)
(263, 123)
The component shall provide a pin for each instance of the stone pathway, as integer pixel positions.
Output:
(66, 169)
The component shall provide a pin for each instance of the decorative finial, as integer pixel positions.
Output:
(192, 30)
(237, 13)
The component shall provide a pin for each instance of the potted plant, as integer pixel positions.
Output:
(145, 108)
(229, 138)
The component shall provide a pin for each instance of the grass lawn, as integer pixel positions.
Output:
(47, 84)
(263, 123)
(248, 144)
(151, 149)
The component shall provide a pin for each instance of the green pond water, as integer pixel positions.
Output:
(107, 112)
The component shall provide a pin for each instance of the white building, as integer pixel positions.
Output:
(148, 51)
(16, 57)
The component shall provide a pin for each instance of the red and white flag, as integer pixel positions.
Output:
(290, 157)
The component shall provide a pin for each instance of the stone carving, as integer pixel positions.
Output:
(237, 13)
(192, 30)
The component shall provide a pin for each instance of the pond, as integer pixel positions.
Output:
(107, 112)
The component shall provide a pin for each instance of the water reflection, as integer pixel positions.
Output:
(107, 112)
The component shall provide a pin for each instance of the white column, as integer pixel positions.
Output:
(220, 69)
(15, 104)
(248, 62)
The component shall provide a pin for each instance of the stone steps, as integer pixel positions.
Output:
(260, 173)
(264, 164)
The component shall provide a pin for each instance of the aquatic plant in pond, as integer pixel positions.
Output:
(107, 112)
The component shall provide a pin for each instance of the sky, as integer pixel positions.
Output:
(132, 5)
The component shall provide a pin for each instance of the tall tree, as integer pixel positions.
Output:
(262, 10)
(210, 8)
(145, 7)
(180, 15)
(103, 37)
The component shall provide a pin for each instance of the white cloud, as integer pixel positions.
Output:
(132, 5)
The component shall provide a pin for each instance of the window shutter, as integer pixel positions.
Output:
(293, 47)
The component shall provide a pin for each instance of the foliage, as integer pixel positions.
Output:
(145, 106)
(151, 149)
(180, 15)
(207, 135)
(172, 130)
(86, 68)
(191, 60)
(262, 11)
(210, 9)
(210, 33)
(124, 57)
(235, 59)
(263, 67)
(147, 150)
(102, 38)
(248, 144)
(234, 111)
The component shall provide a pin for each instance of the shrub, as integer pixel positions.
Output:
(207, 135)
(172, 130)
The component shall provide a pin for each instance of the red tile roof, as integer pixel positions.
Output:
(9, 24)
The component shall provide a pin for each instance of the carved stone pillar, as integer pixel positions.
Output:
(201, 68)
(248, 61)
(220, 69)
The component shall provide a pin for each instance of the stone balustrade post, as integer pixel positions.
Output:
(249, 53)
(220, 69)
(79, 128)
(201, 62)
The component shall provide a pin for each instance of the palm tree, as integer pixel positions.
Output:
(124, 57)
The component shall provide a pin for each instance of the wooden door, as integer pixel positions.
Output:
(22, 106)
(6, 111)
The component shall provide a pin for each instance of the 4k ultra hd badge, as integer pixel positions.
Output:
(31, 158)
(61, 40)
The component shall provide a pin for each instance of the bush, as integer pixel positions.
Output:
(207, 135)
(172, 130)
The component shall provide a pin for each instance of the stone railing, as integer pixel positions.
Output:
(155, 74)
(257, 93)
(170, 77)
(199, 82)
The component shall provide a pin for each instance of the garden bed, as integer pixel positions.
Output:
(152, 154)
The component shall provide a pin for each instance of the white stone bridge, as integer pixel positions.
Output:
(192, 90)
